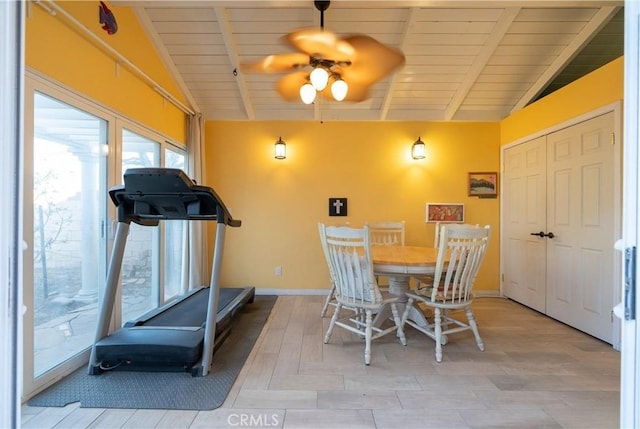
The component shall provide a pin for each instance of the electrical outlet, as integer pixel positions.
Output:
(278, 271)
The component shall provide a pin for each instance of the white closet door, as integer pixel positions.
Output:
(524, 184)
(580, 214)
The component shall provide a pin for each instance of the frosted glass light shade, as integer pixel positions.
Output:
(418, 150)
(339, 89)
(307, 93)
(319, 78)
(280, 149)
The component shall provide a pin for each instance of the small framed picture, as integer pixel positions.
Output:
(337, 206)
(445, 212)
(483, 184)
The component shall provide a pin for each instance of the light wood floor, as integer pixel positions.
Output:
(535, 373)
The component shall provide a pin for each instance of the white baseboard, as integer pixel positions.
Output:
(478, 294)
(291, 291)
(488, 294)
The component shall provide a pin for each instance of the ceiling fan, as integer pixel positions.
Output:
(341, 68)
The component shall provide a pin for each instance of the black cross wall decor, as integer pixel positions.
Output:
(337, 206)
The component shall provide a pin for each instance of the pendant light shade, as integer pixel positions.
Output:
(319, 78)
(307, 93)
(339, 89)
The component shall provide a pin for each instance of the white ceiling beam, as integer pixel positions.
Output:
(149, 28)
(599, 20)
(494, 39)
(232, 50)
(408, 26)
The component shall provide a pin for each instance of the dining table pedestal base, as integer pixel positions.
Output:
(398, 286)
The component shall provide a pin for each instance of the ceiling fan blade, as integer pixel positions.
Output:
(357, 92)
(321, 44)
(371, 61)
(277, 63)
(289, 86)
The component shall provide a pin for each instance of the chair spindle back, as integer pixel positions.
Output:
(348, 252)
(387, 233)
(465, 246)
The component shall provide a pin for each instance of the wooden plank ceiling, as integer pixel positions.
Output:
(465, 60)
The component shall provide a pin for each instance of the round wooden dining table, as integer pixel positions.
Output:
(399, 264)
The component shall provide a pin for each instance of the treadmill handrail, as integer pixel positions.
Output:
(153, 194)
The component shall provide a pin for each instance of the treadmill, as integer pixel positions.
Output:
(183, 334)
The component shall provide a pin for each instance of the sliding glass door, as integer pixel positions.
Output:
(65, 230)
(175, 242)
(74, 152)
(140, 265)
(153, 261)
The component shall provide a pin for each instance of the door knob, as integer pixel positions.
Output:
(550, 235)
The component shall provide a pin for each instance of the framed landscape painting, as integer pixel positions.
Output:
(445, 212)
(483, 184)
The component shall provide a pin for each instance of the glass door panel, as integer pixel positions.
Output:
(69, 243)
(140, 265)
(175, 233)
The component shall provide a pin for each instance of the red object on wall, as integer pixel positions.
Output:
(107, 19)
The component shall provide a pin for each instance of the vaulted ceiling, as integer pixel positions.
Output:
(465, 60)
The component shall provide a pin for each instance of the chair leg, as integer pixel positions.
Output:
(438, 333)
(474, 327)
(358, 320)
(407, 309)
(398, 322)
(368, 334)
(327, 301)
(336, 312)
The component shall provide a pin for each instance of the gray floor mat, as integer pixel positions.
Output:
(159, 390)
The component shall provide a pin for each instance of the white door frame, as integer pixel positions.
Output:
(11, 83)
(616, 108)
(630, 342)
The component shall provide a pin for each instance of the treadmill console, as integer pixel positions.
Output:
(153, 194)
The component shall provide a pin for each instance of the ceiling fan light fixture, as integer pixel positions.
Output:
(307, 93)
(362, 59)
(339, 89)
(319, 78)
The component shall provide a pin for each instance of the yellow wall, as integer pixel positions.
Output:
(280, 202)
(599, 88)
(56, 49)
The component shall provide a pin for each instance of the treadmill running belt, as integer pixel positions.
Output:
(192, 311)
(171, 337)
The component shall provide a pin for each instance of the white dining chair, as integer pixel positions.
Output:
(388, 233)
(436, 235)
(348, 253)
(384, 233)
(460, 254)
(330, 299)
(436, 242)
